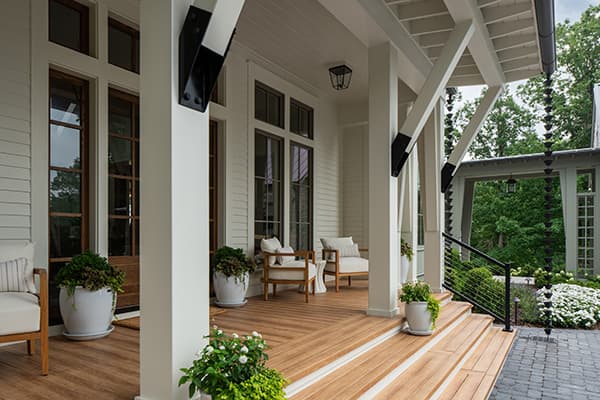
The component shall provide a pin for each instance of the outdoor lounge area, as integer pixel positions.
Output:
(154, 153)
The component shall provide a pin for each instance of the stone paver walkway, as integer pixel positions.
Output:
(566, 367)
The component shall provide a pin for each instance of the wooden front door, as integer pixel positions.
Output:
(123, 193)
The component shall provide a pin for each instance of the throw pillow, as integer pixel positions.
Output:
(270, 246)
(337, 244)
(23, 249)
(282, 260)
(350, 251)
(14, 276)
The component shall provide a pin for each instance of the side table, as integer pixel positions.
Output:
(319, 281)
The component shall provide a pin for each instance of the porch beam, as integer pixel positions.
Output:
(430, 94)
(469, 134)
(427, 8)
(481, 47)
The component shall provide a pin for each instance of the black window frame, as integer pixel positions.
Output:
(310, 121)
(269, 91)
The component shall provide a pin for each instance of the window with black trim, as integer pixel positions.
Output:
(268, 105)
(268, 187)
(68, 24)
(301, 198)
(123, 46)
(301, 119)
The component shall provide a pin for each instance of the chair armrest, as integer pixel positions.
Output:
(335, 252)
(43, 297)
(366, 250)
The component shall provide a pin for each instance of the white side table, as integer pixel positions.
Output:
(319, 281)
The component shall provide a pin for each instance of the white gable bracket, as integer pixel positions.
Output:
(469, 134)
(430, 93)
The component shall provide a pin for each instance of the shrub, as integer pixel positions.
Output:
(542, 278)
(233, 262)
(90, 271)
(573, 306)
(528, 304)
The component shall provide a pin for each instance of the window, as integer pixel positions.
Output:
(268, 187)
(123, 46)
(69, 24)
(420, 221)
(268, 105)
(68, 180)
(123, 174)
(301, 119)
(212, 191)
(301, 202)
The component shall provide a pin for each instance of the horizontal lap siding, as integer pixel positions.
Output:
(15, 122)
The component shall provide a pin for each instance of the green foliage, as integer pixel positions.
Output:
(541, 277)
(233, 367)
(90, 271)
(233, 262)
(421, 292)
(406, 250)
(528, 304)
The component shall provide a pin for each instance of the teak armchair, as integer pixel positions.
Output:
(9, 298)
(341, 267)
(300, 272)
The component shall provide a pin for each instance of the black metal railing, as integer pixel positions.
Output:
(478, 278)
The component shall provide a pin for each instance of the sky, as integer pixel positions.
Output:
(564, 9)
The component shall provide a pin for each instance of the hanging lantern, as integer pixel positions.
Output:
(340, 76)
(511, 185)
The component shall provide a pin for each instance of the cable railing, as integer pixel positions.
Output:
(478, 278)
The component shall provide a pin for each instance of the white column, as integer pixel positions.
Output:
(568, 188)
(383, 188)
(433, 199)
(409, 228)
(467, 211)
(596, 220)
(458, 195)
(174, 210)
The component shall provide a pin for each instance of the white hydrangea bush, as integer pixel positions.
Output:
(573, 306)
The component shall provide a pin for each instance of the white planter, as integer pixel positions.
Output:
(418, 318)
(230, 292)
(86, 314)
(201, 396)
(404, 266)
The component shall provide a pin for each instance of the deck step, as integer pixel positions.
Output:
(351, 379)
(478, 375)
(423, 378)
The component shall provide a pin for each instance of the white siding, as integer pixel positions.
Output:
(15, 122)
(356, 184)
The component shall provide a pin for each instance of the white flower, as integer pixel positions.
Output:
(221, 347)
(199, 353)
(219, 332)
(235, 335)
(209, 349)
(256, 334)
(260, 346)
(244, 350)
(234, 345)
(243, 359)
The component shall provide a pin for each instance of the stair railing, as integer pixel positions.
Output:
(478, 278)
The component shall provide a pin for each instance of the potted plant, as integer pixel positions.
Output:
(88, 294)
(421, 308)
(406, 255)
(233, 368)
(232, 274)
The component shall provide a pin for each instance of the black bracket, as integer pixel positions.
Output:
(447, 175)
(199, 66)
(400, 153)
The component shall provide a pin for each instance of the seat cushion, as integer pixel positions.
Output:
(350, 265)
(19, 313)
(11, 252)
(279, 272)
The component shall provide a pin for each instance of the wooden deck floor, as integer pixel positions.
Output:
(303, 337)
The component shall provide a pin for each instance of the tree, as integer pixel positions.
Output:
(578, 68)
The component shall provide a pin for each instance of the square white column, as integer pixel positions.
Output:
(433, 198)
(383, 188)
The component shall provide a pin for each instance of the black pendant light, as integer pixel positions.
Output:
(340, 76)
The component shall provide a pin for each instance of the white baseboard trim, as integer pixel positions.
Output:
(383, 313)
(389, 378)
(131, 314)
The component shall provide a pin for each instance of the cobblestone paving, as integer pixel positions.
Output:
(566, 367)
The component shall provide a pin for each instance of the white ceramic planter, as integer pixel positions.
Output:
(229, 292)
(86, 314)
(404, 265)
(418, 318)
(201, 396)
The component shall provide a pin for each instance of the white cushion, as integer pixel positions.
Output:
(279, 272)
(336, 244)
(14, 276)
(270, 246)
(350, 251)
(20, 250)
(285, 259)
(19, 313)
(349, 265)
